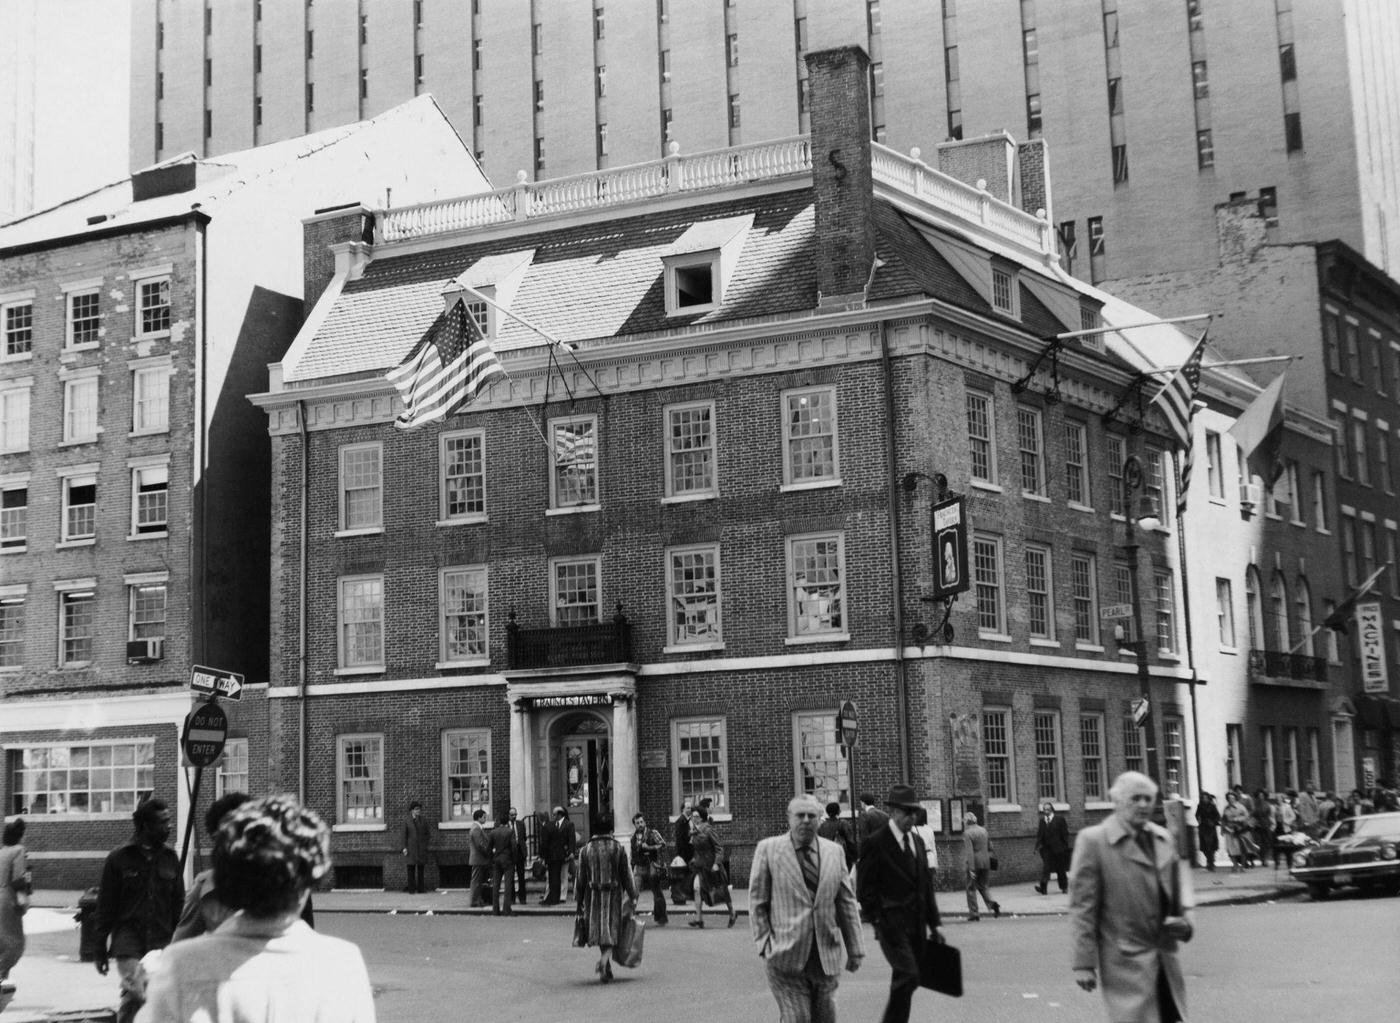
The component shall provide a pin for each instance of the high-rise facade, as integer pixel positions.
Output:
(1153, 113)
(17, 76)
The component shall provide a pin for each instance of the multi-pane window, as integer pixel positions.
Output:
(18, 325)
(690, 450)
(1166, 611)
(96, 778)
(153, 305)
(79, 507)
(1290, 757)
(462, 461)
(466, 773)
(77, 627)
(1234, 755)
(1383, 462)
(1040, 615)
(1268, 757)
(1029, 439)
(1117, 456)
(12, 628)
(150, 399)
(1320, 501)
(14, 418)
(1349, 549)
(996, 751)
(1083, 586)
(817, 586)
(361, 486)
(700, 752)
(146, 610)
(981, 437)
(1002, 285)
(1076, 464)
(574, 480)
(1049, 778)
(80, 409)
(231, 775)
(577, 597)
(1091, 756)
(463, 625)
(1368, 547)
(1173, 757)
(1123, 594)
(1278, 611)
(1361, 458)
(361, 603)
(1154, 483)
(693, 583)
(1313, 753)
(987, 580)
(823, 762)
(150, 499)
(1302, 602)
(84, 318)
(14, 516)
(1132, 746)
(360, 771)
(809, 435)
(1215, 468)
(1253, 607)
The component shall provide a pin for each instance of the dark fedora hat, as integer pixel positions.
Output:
(903, 795)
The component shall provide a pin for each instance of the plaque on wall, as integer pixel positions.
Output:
(653, 758)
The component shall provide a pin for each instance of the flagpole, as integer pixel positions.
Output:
(1229, 362)
(1090, 332)
(554, 341)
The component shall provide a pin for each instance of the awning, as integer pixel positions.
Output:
(1377, 712)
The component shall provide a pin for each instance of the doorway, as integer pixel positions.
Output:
(582, 779)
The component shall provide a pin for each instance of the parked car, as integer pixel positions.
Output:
(1363, 851)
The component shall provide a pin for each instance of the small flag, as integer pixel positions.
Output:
(1338, 619)
(1259, 431)
(448, 368)
(1177, 400)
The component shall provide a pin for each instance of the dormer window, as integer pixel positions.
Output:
(700, 263)
(1003, 291)
(481, 314)
(692, 285)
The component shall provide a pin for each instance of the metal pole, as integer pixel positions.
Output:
(1132, 478)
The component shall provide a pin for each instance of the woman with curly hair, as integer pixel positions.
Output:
(263, 963)
(603, 879)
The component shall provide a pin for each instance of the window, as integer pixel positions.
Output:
(150, 499)
(310, 46)
(573, 483)
(1351, 332)
(1287, 63)
(79, 507)
(598, 23)
(1097, 249)
(94, 778)
(1076, 464)
(1049, 779)
(809, 436)
(1132, 746)
(1278, 611)
(1199, 80)
(1086, 599)
(1069, 244)
(1314, 758)
(12, 627)
(1254, 610)
(1349, 575)
(360, 779)
(1234, 755)
(1341, 448)
(361, 487)
(14, 514)
(1092, 758)
(731, 50)
(1267, 758)
(1392, 542)
(77, 627)
(150, 399)
(693, 587)
(1003, 291)
(1040, 614)
(816, 568)
(577, 598)
(1293, 493)
(700, 753)
(1330, 328)
(14, 417)
(733, 110)
(1363, 461)
(823, 762)
(462, 464)
(364, 83)
(987, 578)
(1302, 601)
(463, 627)
(1215, 467)
(1123, 594)
(1028, 438)
(364, 29)
(981, 437)
(361, 623)
(146, 610)
(690, 450)
(1268, 205)
(600, 78)
(80, 409)
(231, 774)
(466, 773)
(18, 320)
(1320, 501)
(1225, 612)
(84, 318)
(1383, 461)
(1290, 757)
(1293, 131)
(418, 74)
(1154, 483)
(1174, 757)
(1117, 456)
(310, 97)
(153, 304)
(1166, 611)
(1334, 652)
(1368, 548)
(996, 748)
(1195, 20)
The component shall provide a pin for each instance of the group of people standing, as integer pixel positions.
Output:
(1263, 828)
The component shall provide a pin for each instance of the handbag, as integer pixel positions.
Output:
(580, 929)
(940, 969)
(631, 932)
(994, 863)
(538, 869)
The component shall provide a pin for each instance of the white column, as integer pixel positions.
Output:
(624, 766)
(522, 782)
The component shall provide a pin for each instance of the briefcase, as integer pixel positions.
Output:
(630, 932)
(940, 968)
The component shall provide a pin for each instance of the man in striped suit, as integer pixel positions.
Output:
(802, 910)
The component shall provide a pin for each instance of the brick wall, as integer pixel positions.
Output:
(841, 173)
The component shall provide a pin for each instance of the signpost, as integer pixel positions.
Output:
(205, 731)
(214, 682)
(847, 729)
(206, 727)
(950, 575)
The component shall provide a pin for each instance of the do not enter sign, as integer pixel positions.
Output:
(846, 724)
(205, 730)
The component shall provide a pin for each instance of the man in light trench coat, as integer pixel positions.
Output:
(1130, 904)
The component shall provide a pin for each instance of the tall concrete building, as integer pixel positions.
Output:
(1153, 112)
(17, 76)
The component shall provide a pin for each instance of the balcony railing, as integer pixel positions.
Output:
(569, 646)
(1274, 664)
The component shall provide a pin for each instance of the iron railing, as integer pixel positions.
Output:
(569, 646)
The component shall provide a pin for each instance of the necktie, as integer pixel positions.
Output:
(810, 874)
(1144, 841)
(908, 849)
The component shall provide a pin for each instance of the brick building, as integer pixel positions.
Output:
(134, 473)
(656, 565)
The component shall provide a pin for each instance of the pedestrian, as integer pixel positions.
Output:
(709, 875)
(1129, 908)
(896, 896)
(803, 915)
(834, 829)
(547, 841)
(1052, 843)
(522, 846)
(1264, 819)
(1207, 828)
(685, 852)
(417, 833)
(138, 901)
(16, 885)
(1235, 821)
(603, 877)
(870, 821)
(1309, 810)
(503, 849)
(566, 837)
(1327, 809)
(924, 830)
(479, 858)
(263, 963)
(649, 871)
(977, 857)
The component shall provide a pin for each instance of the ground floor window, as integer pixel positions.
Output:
(996, 747)
(104, 778)
(360, 779)
(466, 772)
(232, 774)
(823, 761)
(700, 752)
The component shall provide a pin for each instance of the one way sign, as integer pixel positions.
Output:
(216, 682)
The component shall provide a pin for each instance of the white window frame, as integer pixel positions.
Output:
(1215, 466)
(1320, 502)
(457, 811)
(1004, 291)
(71, 294)
(231, 772)
(1154, 482)
(1093, 757)
(1174, 755)
(590, 499)
(831, 756)
(17, 543)
(1254, 608)
(1313, 772)
(477, 618)
(1051, 755)
(12, 645)
(677, 592)
(1290, 757)
(1045, 591)
(1117, 457)
(81, 420)
(674, 452)
(713, 727)
(1134, 746)
(1302, 604)
(1360, 453)
(14, 415)
(7, 303)
(344, 665)
(372, 816)
(1090, 562)
(1164, 587)
(136, 765)
(1077, 466)
(1278, 612)
(994, 587)
(71, 478)
(1234, 755)
(595, 563)
(472, 479)
(374, 489)
(140, 282)
(68, 592)
(139, 470)
(791, 478)
(981, 415)
(1005, 753)
(150, 582)
(151, 414)
(1030, 447)
(677, 266)
(797, 633)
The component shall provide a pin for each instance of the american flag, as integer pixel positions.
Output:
(1177, 400)
(445, 370)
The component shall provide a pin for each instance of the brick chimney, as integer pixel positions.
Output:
(323, 229)
(839, 102)
(1240, 230)
(1033, 177)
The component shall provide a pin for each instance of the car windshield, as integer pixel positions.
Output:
(1362, 827)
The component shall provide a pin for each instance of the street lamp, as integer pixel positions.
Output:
(1142, 708)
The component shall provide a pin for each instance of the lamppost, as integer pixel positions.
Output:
(1142, 708)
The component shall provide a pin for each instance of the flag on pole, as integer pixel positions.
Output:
(1177, 400)
(1259, 431)
(448, 368)
(1338, 618)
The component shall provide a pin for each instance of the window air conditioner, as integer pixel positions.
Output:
(145, 651)
(1251, 495)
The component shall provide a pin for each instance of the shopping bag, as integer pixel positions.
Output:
(580, 929)
(940, 968)
(630, 934)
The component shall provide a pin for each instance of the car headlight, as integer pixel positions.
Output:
(1388, 851)
(1300, 859)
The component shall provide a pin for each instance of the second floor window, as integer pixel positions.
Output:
(809, 435)
(463, 461)
(361, 487)
(981, 437)
(1084, 587)
(77, 627)
(1029, 437)
(80, 410)
(1076, 464)
(817, 587)
(362, 622)
(690, 451)
(694, 595)
(577, 597)
(574, 478)
(147, 611)
(464, 626)
(986, 574)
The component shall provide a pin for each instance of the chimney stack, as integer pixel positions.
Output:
(327, 227)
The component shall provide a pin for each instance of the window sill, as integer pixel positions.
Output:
(1076, 506)
(993, 637)
(991, 488)
(1049, 644)
(21, 549)
(1215, 499)
(686, 648)
(1169, 656)
(26, 357)
(462, 520)
(162, 535)
(375, 669)
(1298, 522)
(1324, 531)
(454, 825)
(154, 335)
(788, 488)
(91, 346)
(358, 827)
(577, 509)
(826, 637)
(1088, 648)
(90, 541)
(475, 662)
(1035, 497)
(1231, 650)
(1003, 807)
(77, 442)
(75, 666)
(152, 431)
(688, 498)
(1098, 806)
(370, 531)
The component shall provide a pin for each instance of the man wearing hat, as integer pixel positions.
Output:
(896, 895)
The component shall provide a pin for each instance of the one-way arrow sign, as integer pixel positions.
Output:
(216, 682)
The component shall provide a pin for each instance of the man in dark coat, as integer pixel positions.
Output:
(871, 819)
(1052, 842)
(896, 895)
(685, 852)
(416, 834)
(503, 867)
(557, 844)
(521, 854)
(546, 836)
(568, 841)
(479, 858)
